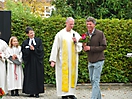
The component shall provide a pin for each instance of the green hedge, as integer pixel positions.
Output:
(117, 68)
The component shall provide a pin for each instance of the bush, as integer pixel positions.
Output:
(117, 68)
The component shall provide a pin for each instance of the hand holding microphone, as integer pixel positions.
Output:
(74, 39)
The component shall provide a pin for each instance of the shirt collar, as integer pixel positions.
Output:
(92, 32)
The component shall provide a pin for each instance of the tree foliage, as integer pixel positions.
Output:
(97, 8)
(18, 9)
(36, 7)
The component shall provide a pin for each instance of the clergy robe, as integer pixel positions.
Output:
(14, 72)
(3, 77)
(65, 54)
(33, 67)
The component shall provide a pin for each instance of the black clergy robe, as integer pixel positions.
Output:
(33, 67)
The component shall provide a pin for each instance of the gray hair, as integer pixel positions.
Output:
(91, 19)
(69, 18)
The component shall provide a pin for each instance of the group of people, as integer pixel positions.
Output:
(12, 56)
(64, 57)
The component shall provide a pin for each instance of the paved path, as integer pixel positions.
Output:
(109, 91)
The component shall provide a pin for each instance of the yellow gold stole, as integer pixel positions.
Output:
(65, 80)
(73, 64)
(65, 69)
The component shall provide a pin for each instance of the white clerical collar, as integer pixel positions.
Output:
(30, 41)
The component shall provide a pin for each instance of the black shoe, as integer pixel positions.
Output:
(16, 92)
(12, 93)
(37, 95)
(72, 97)
(64, 97)
(31, 95)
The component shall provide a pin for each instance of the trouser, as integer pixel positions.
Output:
(94, 75)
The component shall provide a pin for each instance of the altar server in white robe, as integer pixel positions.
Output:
(64, 56)
(14, 71)
(3, 77)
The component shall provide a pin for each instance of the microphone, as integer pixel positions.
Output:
(74, 36)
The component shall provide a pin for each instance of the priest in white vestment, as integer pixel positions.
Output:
(64, 56)
(3, 83)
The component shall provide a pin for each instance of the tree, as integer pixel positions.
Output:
(97, 8)
(36, 6)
